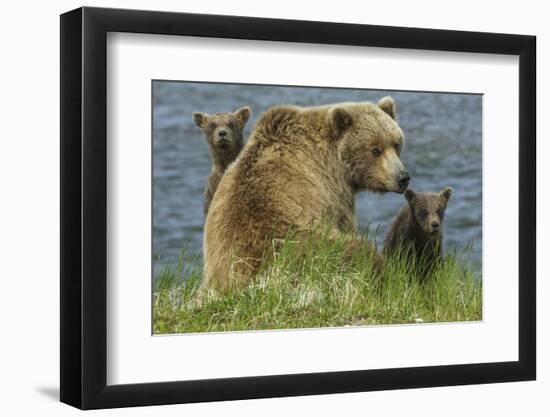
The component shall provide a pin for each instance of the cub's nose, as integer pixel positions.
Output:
(403, 180)
(222, 134)
(435, 225)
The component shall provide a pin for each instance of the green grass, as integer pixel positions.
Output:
(308, 284)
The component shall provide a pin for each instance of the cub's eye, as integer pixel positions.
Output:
(213, 125)
(376, 152)
(440, 212)
(423, 212)
(397, 147)
(230, 124)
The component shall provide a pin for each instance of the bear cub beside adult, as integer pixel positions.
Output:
(417, 229)
(224, 135)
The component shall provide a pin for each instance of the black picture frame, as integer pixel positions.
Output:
(84, 207)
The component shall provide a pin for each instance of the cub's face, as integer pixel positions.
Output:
(428, 209)
(223, 130)
(369, 144)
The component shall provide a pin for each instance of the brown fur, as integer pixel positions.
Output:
(418, 228)
(224, 135)
(300, 165)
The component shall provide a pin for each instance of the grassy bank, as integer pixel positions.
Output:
(316, 288)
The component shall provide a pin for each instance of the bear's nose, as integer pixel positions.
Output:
(435, 225)
(222, 133)
(403, 180)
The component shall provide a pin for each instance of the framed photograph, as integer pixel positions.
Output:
(258, 208)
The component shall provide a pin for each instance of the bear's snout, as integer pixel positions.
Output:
(223, 137)
(403, 180)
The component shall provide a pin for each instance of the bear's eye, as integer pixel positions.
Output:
(213, 125)
(397, 147)
(423, 213)
(230, 124)
(376, 152)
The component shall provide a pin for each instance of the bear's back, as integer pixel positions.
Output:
(277, 184)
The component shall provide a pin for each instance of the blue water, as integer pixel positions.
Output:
(443, 134)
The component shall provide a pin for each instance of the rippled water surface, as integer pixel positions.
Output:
(443, 148)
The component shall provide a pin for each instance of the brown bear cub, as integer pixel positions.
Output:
(224, 134)
(300, 169)
(417, 229)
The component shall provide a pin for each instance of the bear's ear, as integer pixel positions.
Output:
(410, 196)
(388, 106)
(243, 115)
(446, 194)
(200, 119)
(340, 119)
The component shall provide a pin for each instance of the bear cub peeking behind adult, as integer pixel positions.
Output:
(417, 230)
(224, 135)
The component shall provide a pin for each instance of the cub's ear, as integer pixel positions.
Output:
(340, 120)
(410, 196)
(388, 106)
(200, 119)
(242, 115)
(446, 194)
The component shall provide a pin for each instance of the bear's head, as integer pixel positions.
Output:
(224, 131)
(369, 143)
(428, 209)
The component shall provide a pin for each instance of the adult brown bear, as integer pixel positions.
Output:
(299, 167)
